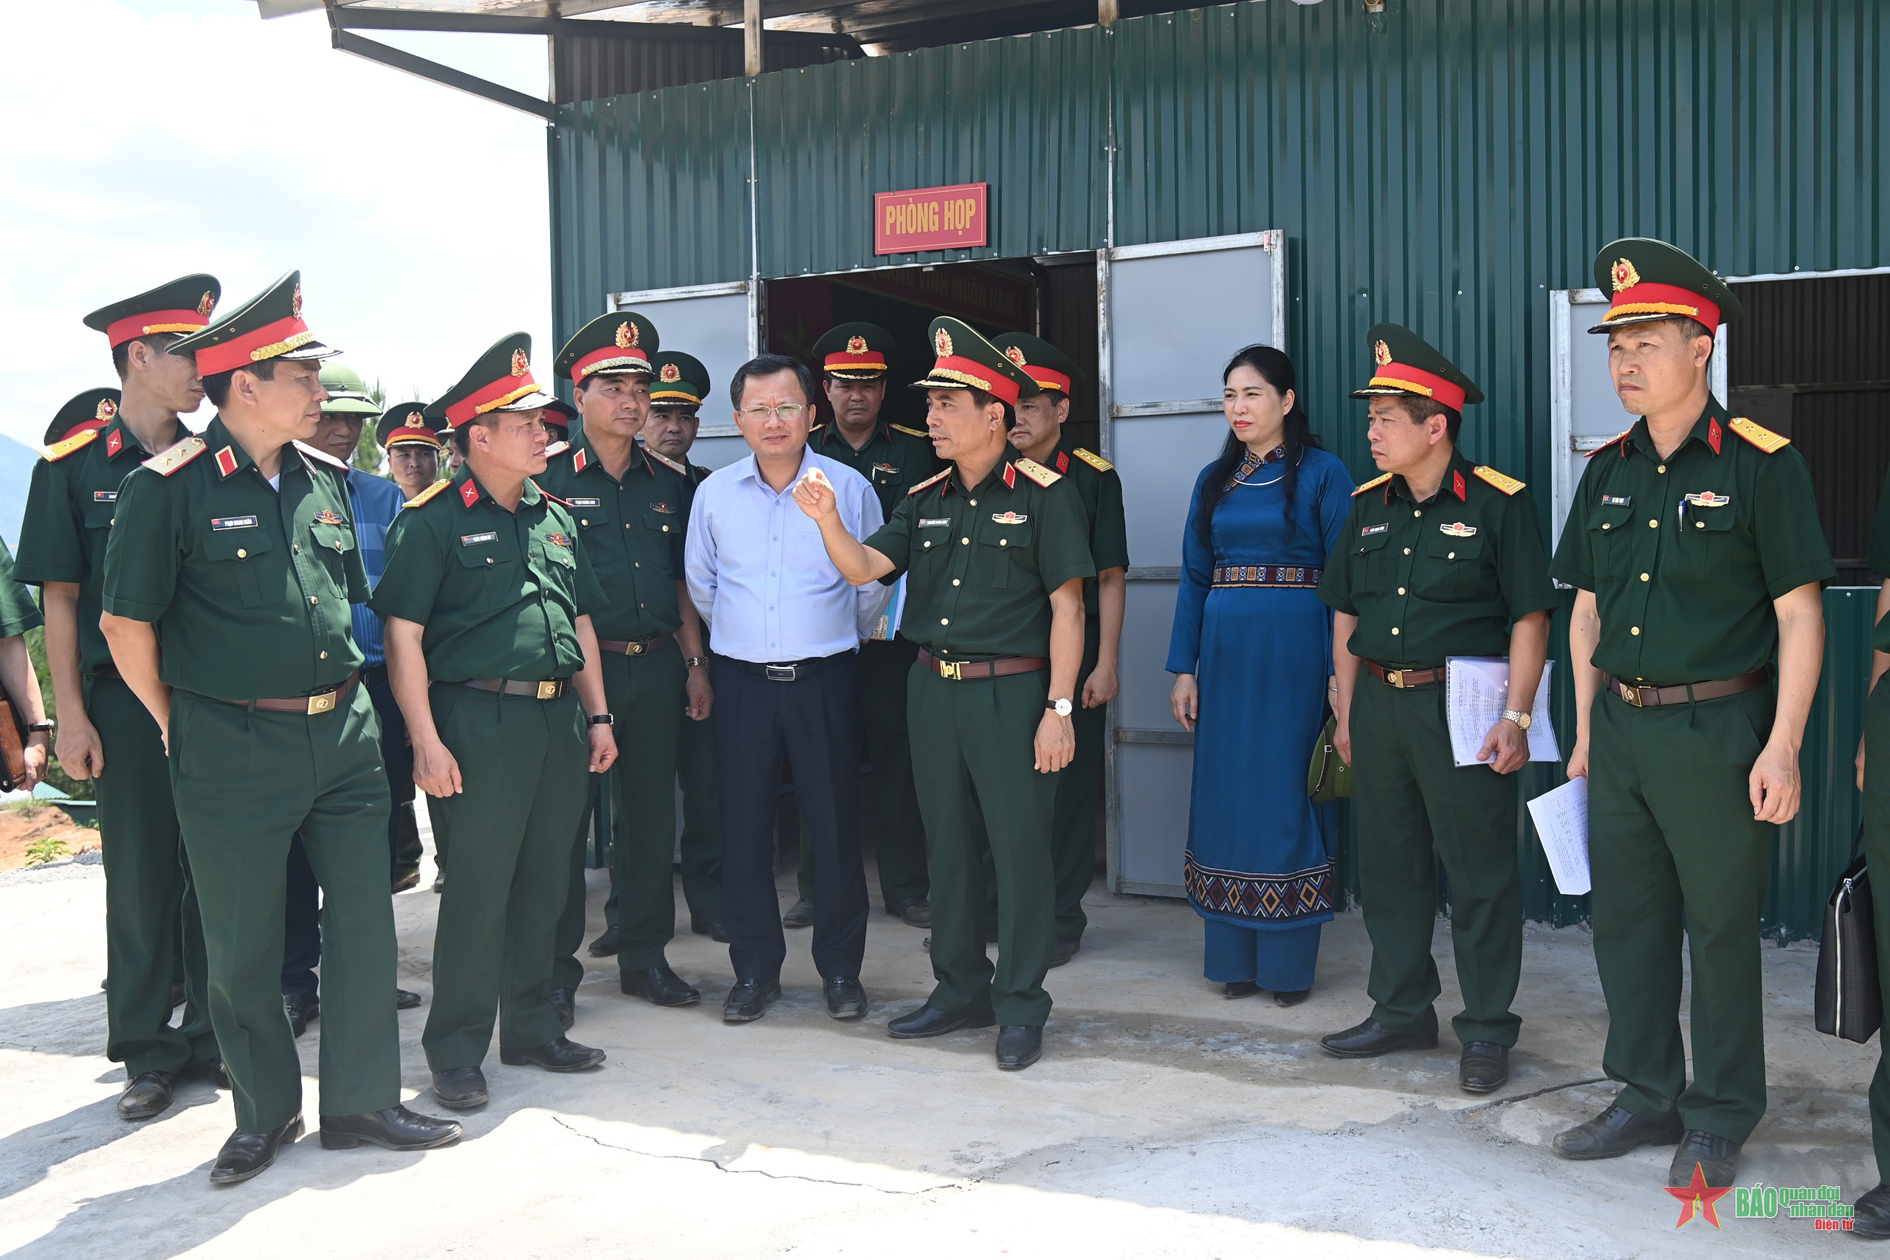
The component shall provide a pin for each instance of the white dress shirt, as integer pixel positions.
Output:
(759, 573)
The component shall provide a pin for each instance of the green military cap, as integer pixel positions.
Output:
(501, 380)
(609, 345)
(183, 305)
(854, 352)
(559, 416)
(681, 380)
(93, 409)
(965, 360)
(268, 326)
(1406, 365)
(404, 423)
(1651, 280)
(1047, 367)
(347, 392)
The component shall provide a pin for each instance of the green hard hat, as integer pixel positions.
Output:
(347, 392)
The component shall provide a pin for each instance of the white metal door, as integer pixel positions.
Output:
(719, 324)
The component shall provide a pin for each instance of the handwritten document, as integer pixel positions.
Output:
(1561, 818)
(1476, 691)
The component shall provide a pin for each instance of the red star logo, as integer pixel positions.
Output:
(1697, 1194)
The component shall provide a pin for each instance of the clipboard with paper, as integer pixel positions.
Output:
(1476, 691)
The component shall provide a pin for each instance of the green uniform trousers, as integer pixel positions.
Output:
(150, 902)
(246, 782)
(1416, 809)
(523, 767)
(1672, 845)
(702, 820)
(1079, 786)
(973, 744)
(1877, 856)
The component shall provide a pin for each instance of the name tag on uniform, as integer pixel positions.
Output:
(473, 540)
(1457, 529)
(585, 502)
(1369, 530)
(232, 522)
(933, 522)
(104, 496)
(1617, 500)
(1706, 498)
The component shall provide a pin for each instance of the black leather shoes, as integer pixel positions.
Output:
(461, 1089)
(800, 914)
(1371, 1039)
(403, 880)
(711, 928)
(916, 911)
(394, 1128)
(303, 1011)
(405, 999)
(606, 943)
(928, 1021)
(749, 1000)
(1872, 1214)
(660, 985)
(564, 1002)
(1291, 997)
(846, 998)
(562, 1055)
(1062, 950)
(212, 1070)
(1616, 1132)
(147, 1094)
(1483, 1068)
(247, 1154)
(1715, 1156)
(1239, 989)
(1019, 1046)
(439, 880)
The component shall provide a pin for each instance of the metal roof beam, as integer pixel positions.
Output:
(498, 24)
(400, 59)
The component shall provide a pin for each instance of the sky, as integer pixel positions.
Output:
(147, 139)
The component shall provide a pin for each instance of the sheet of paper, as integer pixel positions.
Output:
(1561, 818)
(1476, 691)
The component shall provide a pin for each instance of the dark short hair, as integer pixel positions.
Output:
(462, 441)
(217, 387)
(769, 365)
(984, 399)
(121, 353)
(1421, 409)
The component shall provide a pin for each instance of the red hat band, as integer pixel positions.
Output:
(1047, 378)
(1648, 298)
(265, 343)
(507, 388)
(596, 359)
(972, 374)
(864, 361)
(1417, 381)
(150, 323)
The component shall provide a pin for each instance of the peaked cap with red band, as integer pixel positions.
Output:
(1405, 365)
(1649, 280)
(560, 416)
(854, 352)
(407, 423)
(965, 360)
(93, 409)
(182, 306)
(1047, 367)
(610, 345)
(501, 380)
(268, 326)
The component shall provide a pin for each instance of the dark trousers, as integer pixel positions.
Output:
(815, 723)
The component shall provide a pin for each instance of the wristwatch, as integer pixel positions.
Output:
(603, 719)
(1060, 707)
(39, 726)
(690, 662)
(1521, 719)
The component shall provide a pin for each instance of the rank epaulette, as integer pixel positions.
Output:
(1616, 440)
(65, 446)
(666, 462)
(323, 456)
(1502, 481)
(917, 433)
(172, 458)
(1373, 484)
(816, 429)
(1094, 460)
(933, 480)
(556, 449)
(1759, 435)
(1036, 472)
(426, 494)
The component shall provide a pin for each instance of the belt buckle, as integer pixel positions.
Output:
(548, 689)
(1632, 695)
(953, 670)
(322, 703)
(1395, 677)
(781, 673)
(635, 647)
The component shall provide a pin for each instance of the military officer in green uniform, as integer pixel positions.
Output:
(631, 508)
(105, 734)
(1042, 412)
(1696, 553)
(1872, 1219)
(19, 682)
(996, 552)
(488, 597)
(411, 446)
(1439, 558)
(228, 578)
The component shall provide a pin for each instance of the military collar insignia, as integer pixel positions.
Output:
(1063, 461)
(1457, 529)
(1713, 434)
(581, 460)
(114, 441)
(226, 461)
(469, 492)
(1458, 486)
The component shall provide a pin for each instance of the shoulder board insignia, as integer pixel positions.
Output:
(917, 433)
(1373, 484)
(666, 462)
(556, 449)
(817, 429)
(1502, 481)
(933, 480)
(1759, 435)
(1036, 472)
(427, 494)
(1094, 460)
(1616, 440)
(65, 446)
(323, 456)
(168, 461)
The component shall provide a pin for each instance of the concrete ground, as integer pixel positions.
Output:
(1162, 1121)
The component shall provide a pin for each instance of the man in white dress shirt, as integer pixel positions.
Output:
(786, 630)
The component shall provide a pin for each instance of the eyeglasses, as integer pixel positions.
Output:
(789, 413)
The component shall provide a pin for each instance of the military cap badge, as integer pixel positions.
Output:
(1625, 276)
(626, 335)
(1016, 355)
(207, 304)
(856, 345)
(520, 365)
(1382, 354)
(943, 342)
(415, 420)
(671, 373)
(106, 409)
(295, 303)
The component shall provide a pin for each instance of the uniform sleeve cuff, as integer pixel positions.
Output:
(1074, 571)
(1581, 581)
(41, 576)
(1785, 583)
(131, 609)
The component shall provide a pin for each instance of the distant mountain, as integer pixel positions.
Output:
(16, 473)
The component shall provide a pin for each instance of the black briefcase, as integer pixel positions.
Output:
(1849, 1003)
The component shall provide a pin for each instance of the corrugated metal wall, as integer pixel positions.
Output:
(585, 69)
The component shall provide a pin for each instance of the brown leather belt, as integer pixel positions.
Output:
(1405, 679)
(545, 689)
(635, 647)
(959, 671)
(320, 702)
(1646, 696)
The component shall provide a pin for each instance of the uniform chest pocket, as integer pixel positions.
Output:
(1004, 556)
(98, 513)
(1456, 563)
(1609, 531)
(335, 540)
(931, 552)
(236, 555)
(663, 524)
(1709, 536)
(489, 575)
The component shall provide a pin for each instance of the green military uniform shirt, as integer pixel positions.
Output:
(1880, 564)
(894, 459)
(1100, 488)
(69, 512)
(632, 532)
(248, 586)
(1685, 555)
(1446, 577)
(18, 612)
(499, 593)
(983, 561)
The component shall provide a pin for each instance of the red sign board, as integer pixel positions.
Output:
(931, 218)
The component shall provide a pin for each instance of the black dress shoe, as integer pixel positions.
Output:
(1616, 1132)
(711, 928)
(147, 1094)
(439, 881)
(1483, 1068)
(247, 1154)
(564, 1002)
(846, 998)
(800, 914)
(303, 1011)
(405, 999)
(1290, 997)
(1371, 1039)
(1019, 1046)
(1872, 1214)
(660, 985)
(1062, 950)
(394, 1128)
(929, 1021)
(1715, 1156)
(403, 880)
(212, 1070)
(460, 1089)
(606, 943)
(916, 911)
(1239, 989)
(562, 1055)
(749, 1000)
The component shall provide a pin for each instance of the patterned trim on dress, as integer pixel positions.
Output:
(1296, 575)
(1250, 462)
(1264, 898)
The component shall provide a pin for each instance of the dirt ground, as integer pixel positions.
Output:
(21, 827)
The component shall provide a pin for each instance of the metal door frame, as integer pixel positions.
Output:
(615, 302)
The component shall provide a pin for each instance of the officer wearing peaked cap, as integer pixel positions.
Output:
(228, 578)
(1696, 553)
(105, 734)
(412, 445)
(1438, 558)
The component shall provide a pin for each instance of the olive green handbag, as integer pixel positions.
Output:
(1328, 778)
